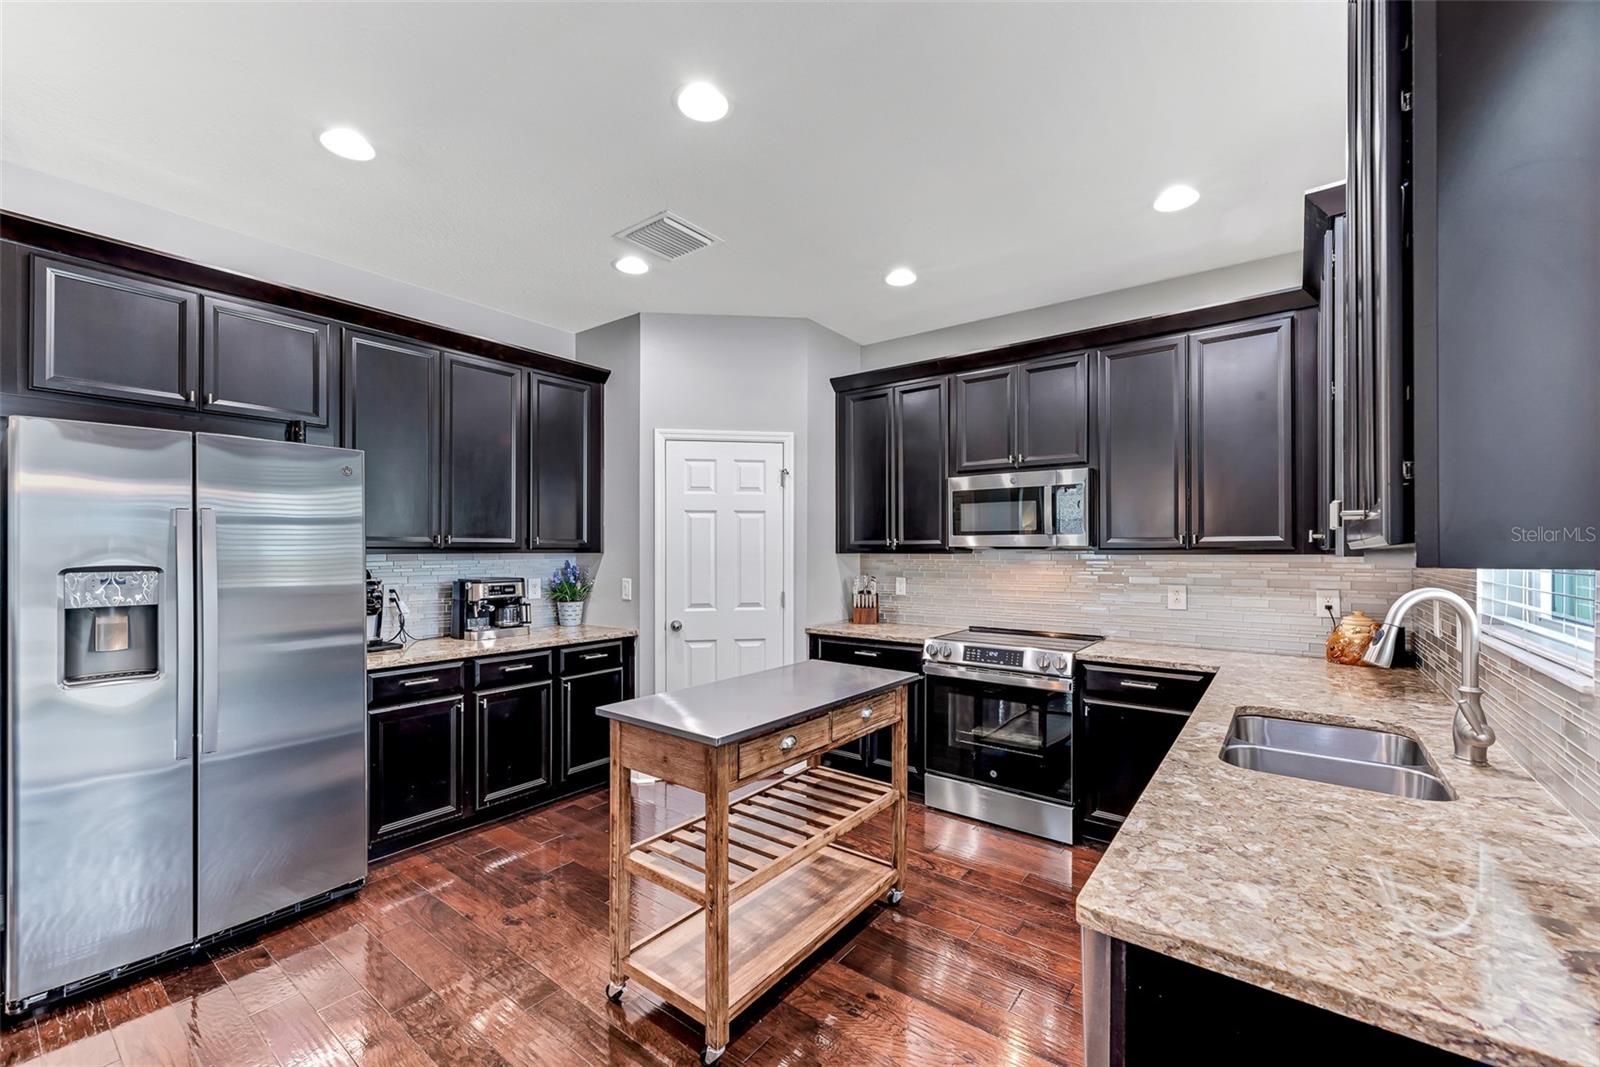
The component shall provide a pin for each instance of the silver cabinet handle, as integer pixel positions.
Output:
(595, 655)
(516, 667)
(866, 713)
(211, 398)
(210, 619)
(420, 681)
(183, 567)
(191, 396)
(447, 539)
(483, 704)
(863, 652)
(675, 625)
(1129, 683)
(788, 742)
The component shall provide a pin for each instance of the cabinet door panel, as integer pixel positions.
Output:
(1142, 471)
(119, 336)
(483, 455)
(560, 463)
(415, 769)
(265, 363)
(864, 505)
(1120, 750)
(920, 448)
(392, 413)
(1241, 436)
(585, 736)
(1053, 411)
(513, 743)
(985, 419)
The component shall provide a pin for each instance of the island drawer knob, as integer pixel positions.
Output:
(866, 713)
(788, 742)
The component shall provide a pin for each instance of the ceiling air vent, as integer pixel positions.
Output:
(668, 236)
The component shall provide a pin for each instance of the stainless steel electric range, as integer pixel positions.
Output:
(1001, 709)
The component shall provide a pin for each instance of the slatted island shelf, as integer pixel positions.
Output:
(767, 868)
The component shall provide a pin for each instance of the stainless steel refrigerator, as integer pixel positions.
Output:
(184, 690)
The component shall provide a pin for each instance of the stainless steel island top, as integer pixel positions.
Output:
(719, 713)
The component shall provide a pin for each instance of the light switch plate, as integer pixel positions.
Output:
(1327, 602)
(1177, 598)
(899, 587)
(538, 589)
(627, 589)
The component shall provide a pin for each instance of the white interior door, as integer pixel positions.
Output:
(724, 560)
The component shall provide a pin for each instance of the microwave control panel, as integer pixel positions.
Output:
(992, 657)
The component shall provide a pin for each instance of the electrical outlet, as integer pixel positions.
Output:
(1177, 598)
(538, 589)
(627, 589)
(1326, 602)
(899, 587)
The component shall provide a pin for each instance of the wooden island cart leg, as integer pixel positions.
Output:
(719, 775)
(621, 825)
(897, 741)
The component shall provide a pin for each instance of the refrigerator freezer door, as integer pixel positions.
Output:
(99, 771)
(281, 802)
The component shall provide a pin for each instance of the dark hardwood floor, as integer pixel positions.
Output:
(490, 949)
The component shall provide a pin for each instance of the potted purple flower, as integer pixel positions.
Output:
(569, 588)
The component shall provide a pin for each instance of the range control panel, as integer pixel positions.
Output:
(992, 657)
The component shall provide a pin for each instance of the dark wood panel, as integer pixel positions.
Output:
(416, 756)
(1142, 427)
(513, 743)
(1053, 411)
(1241, 436)
(864, 434)
(392, 413)
(484, 469)
(561, 447)
(983, 426)
(920, 444)
(104, 333)
(585, 736)
(265, 363)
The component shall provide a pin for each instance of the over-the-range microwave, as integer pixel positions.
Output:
(1022, 509)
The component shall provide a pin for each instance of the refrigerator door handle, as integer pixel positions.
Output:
(209, 620)
(183, 574)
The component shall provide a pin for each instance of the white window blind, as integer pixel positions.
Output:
(1548, 613)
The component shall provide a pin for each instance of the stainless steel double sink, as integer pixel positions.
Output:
(1375, 760)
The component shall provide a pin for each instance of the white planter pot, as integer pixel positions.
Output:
(570, 612)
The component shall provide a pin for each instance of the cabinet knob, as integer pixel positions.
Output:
(788, 742)
(866, 713)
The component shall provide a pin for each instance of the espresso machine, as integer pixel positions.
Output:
(482, 609)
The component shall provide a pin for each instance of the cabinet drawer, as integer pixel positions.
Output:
(1177, 690)
(777, 750)
(586, 658)
(412, 684)
(493, 671)
(864, 717)
(891, 657)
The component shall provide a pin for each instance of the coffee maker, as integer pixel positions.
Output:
(375, 641)
(482, 609)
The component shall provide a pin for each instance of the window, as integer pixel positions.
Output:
(1550, 614)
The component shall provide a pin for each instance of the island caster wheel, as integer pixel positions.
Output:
(895, 896)
(712, 1055)
(614, 990)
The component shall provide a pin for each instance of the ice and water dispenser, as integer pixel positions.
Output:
(111, 624)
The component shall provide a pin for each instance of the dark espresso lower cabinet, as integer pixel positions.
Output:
(871, 755)
(585, 736)
(416, 767)
(513, 743)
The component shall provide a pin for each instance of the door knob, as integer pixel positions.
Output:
(675, 625)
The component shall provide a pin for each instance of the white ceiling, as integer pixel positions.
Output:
(1008, 152)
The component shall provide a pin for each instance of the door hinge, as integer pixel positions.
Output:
(1407, 470)
(1405, 100)
(783, 598)
(783, 475)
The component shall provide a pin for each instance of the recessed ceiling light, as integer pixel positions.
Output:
(1176, 198)
(900, 277)
(632, 265)
(702, 102)
(348, 143)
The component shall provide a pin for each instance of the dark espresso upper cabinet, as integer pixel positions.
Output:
(113, 335)
(1241, 436)
(565, 454)
(893, 443)
(485, 473)
(392, 413)
(264, 362)
(1033, 414)
(1143, 426)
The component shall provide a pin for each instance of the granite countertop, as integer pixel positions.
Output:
(438, 649)
(895, 633)
(720, 713)
(1471, 924)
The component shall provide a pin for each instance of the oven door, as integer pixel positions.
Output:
(1001, 730)
(1025, 509)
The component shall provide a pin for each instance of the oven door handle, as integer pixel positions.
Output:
(1019, 681)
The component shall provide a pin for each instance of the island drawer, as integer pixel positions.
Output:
(586, 658)
(494, 671)
(864, 717)
(783, 747)
(1176, 690)
(410, 684)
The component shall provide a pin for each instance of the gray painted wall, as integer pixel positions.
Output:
(1158, 298)
(615, 346)
(43, 196)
